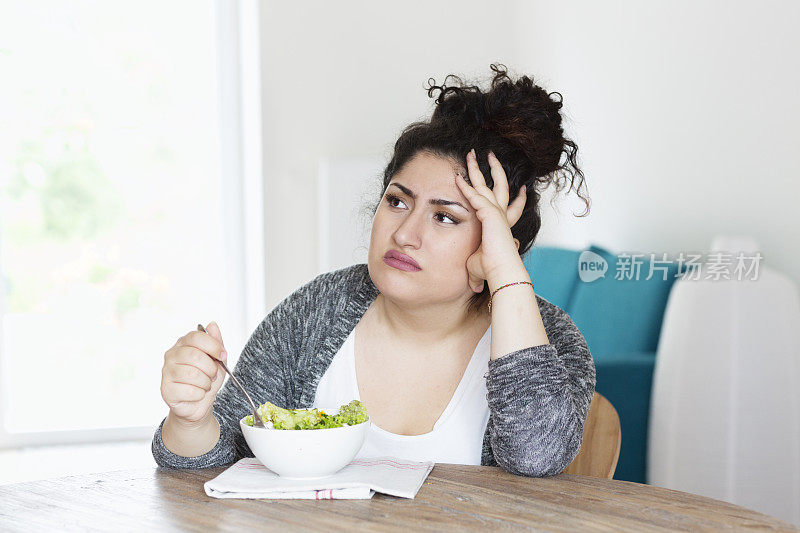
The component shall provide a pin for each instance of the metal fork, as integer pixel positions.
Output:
(257, 422)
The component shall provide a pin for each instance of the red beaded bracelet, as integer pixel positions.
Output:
(503, 287)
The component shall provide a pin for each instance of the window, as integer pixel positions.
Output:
(118, 233)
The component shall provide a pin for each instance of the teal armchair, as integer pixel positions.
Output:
(621, 322)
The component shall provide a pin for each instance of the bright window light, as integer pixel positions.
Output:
(111, 216)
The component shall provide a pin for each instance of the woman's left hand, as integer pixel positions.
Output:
(498, 247)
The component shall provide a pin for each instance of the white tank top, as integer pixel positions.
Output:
(457, 436)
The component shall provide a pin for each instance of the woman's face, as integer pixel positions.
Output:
(439, 237)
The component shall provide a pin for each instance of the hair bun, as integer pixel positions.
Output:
(520, 111)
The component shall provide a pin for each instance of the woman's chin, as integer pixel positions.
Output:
(393, 282)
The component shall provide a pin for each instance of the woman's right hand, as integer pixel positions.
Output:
(190, 379)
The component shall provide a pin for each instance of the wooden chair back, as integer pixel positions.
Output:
(602, 438)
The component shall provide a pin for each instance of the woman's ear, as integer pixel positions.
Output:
(517, 243)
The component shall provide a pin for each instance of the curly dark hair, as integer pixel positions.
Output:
(519, 122)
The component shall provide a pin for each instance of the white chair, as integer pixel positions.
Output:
(725, 405)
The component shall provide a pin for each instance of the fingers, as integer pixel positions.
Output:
(204, 342)
(479, 195)
(515, 209)
(181, 392)
(191, 356)
(190, 375)
(476, 177)
(475, 174)
(500, 188)
(476, 199)
(213, 330)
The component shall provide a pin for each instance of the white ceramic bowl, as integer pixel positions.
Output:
(306, 453)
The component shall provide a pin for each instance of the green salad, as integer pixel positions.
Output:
(278, 418)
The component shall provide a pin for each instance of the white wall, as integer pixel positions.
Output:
(686, 118)
(342, 79)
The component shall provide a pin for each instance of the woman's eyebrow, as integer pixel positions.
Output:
(437, 201)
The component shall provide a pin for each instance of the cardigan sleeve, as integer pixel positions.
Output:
(265, 370)
(539, 398)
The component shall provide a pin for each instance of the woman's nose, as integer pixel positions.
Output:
(409, 233)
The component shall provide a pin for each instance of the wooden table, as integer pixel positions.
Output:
(453, 496)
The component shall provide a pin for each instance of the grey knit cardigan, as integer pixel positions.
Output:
(538, 396)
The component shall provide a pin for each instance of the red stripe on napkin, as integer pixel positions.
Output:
(388, 462)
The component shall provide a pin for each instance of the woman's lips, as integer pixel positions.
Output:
(400, 261)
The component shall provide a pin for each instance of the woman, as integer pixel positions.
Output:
(440, 334)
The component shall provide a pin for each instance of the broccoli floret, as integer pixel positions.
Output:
(290, 418)
(353, 413)
(327, 421)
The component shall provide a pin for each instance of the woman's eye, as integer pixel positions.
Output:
(391, 199)
(445, 215)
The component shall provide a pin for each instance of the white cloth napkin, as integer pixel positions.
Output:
(360, 479)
